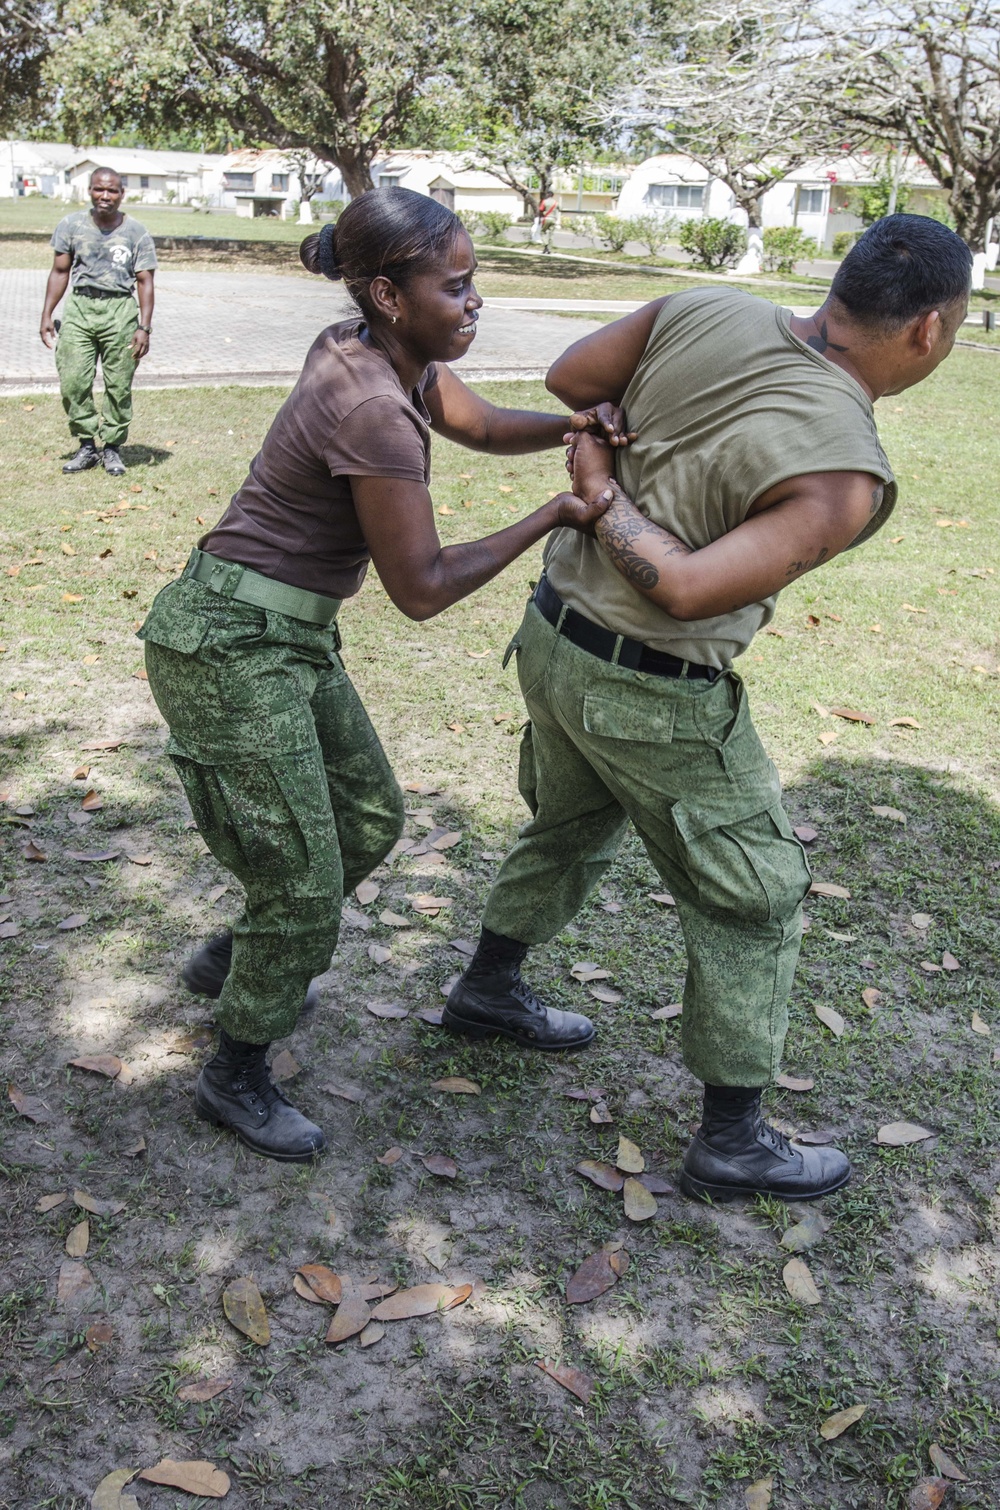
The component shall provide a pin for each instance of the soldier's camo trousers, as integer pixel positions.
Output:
(288, 783)
(681, 760)
(93, 328)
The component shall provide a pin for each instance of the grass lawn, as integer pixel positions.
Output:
(706, 1375)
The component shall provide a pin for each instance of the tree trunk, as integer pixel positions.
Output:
(355, 170)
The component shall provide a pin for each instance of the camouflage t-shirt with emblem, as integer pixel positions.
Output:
(104, 259)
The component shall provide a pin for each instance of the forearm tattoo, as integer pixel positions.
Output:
(624, 533)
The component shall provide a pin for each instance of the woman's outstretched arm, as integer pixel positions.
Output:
(421, 576)
(470, 420)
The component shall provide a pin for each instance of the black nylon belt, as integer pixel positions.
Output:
(632, 654)
(86, 292)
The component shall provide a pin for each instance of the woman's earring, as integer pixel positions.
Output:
(394, 319)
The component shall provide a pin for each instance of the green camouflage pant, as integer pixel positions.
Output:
(682, 761)
(287, 782)
(93, 328)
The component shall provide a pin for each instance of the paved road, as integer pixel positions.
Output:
(220, 327)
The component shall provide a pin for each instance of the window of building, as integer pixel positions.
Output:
(279, 183)
(389, 180)
(144, 180)
(811, 201)
(676, 196)
(238, 181)
(124, 180)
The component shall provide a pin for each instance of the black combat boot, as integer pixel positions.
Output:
(235, 1090)
(491, 999)
(113, 464)
(205, 972)
(88, 456)
(735, 1152)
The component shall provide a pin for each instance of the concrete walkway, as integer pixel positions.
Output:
(252, 328)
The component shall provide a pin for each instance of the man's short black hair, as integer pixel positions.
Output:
(901, 268)
(111, 173)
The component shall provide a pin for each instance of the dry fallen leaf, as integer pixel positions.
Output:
(838, 1423)
(804, 1234)
(92, 801)
(32, 852)
(323, 1282)
(99, 1334)
(594, 1277)
(194, 1476)
(794, 1083)
(889, 812)
(421, 1300)
(379, 954)
(573, 1379)
(656, 1184)
(366, 892)
(828, 889)
(663, 897)
(457, 1085)
(433, 1015)
(446, 841)
(900, 1134)
(904, 723)
(664, 1014)
(215, 893)
(603, 1175)
(50, 1202)
(33, 1107)
(930, 968)
(805, 834)
(585, 972)
(640, 1203)
(372, 1333)
(758, 1494)
(78, 1239)
(302, 1289)
(949, 962)
(852, 715)
(629, 1159)
(109, 1493)
(927, 1494)
(204, 1389)
(945, 1465)
(92, 856)
(828, 737)
(353, 1315)
(99, 1064)
(244, 1307)
(134, 1149)
(386, 1009)
(831, 1019)
(440, 1164)
(600, 1115)
(95, 1205)
(921, 920)
(799, 1283)
(390, 919)
(606, 995)
(390, 1157)
(75, 1286)
(284, 1066)
(978, 1025)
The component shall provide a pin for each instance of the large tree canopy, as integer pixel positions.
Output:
(749, 98)
(24, 27)
(335, 78)
(928, 73)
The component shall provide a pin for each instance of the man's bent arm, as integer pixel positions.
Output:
(54, 290)
(807, 521)
(601, 366)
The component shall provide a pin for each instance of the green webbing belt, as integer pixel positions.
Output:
(246, 586)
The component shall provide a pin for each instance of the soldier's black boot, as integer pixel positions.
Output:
(492, 1000)
(735, 1152)
(88, 456)
(113, 464)
(235, 1090)
(205, 972)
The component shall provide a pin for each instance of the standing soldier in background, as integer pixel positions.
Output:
(109, 256)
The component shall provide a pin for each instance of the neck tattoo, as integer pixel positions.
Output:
(822, 342)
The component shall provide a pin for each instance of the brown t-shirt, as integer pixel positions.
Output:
(347, 416)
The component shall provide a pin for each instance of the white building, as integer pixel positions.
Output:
(447, 179)
(149, 177)
(813, 197)
(35, 168)
(265, 182)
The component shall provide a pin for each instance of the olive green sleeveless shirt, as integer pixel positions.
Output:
(727, 403)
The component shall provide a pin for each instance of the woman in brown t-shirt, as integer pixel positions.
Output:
(287, 781)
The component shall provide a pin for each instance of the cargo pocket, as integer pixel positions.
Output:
(246, 820)
(748, 864)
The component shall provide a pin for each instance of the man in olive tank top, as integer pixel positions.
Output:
(756, 460)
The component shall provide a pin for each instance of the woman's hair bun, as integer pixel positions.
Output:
(318, 253)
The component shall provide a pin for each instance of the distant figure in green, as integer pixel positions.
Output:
(109, 257)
